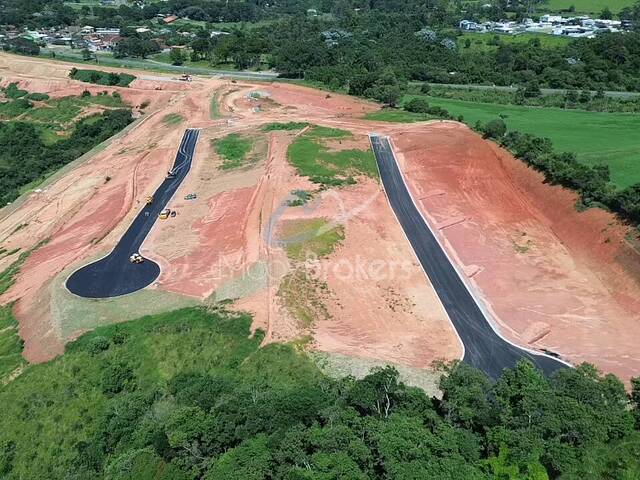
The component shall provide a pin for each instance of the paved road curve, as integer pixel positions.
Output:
(484, 348)
(114, 274)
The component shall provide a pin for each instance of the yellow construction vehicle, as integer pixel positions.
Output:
(136, 258)
(149, 199)
(164, 214)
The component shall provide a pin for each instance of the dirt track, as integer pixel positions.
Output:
(531, 257)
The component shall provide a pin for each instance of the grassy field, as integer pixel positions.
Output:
(586, 6)
(397, 115)
(270, 127)
(312, 158)
(233, 149)
(598, 138)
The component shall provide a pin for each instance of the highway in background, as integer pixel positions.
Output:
(484, 348)
(115, 275)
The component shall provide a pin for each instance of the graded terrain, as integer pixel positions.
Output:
(283, 215)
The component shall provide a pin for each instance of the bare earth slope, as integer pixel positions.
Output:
(555, 278)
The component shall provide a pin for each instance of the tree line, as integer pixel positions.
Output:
(370, 48)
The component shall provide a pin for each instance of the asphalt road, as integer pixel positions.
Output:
(115, 275)
(484, 348)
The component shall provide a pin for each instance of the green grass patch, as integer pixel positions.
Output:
(214, 107)
(397, 115)
(270, 127)
(233, 149)
(307, 238)
(313, 159)
(172, 119)
(597, 138)
(10, 344)
(586, 6)
(102, 78)
(325, 132)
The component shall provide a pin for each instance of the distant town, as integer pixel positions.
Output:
(94, 39)
(579, 26)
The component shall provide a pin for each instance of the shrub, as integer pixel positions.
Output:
(97, 345)
(117, 376)
(38, 97)
(417, 105)
(494, 129)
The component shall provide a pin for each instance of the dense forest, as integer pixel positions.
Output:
(25, 157)
(190, 395)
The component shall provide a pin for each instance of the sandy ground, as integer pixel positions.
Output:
(555, 279)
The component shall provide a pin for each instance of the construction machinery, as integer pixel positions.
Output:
(164, 214)
(136, 258)
(190, 196)
(185, 78)
(149, 199)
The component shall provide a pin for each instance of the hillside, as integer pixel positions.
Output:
(189, 394)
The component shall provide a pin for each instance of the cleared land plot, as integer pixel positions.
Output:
(598, 138)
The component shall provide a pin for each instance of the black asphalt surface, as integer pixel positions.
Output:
(114, 274)
(484, 349)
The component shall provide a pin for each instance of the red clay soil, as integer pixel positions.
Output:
(554, 278)
(313, 101)
(219, 252)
